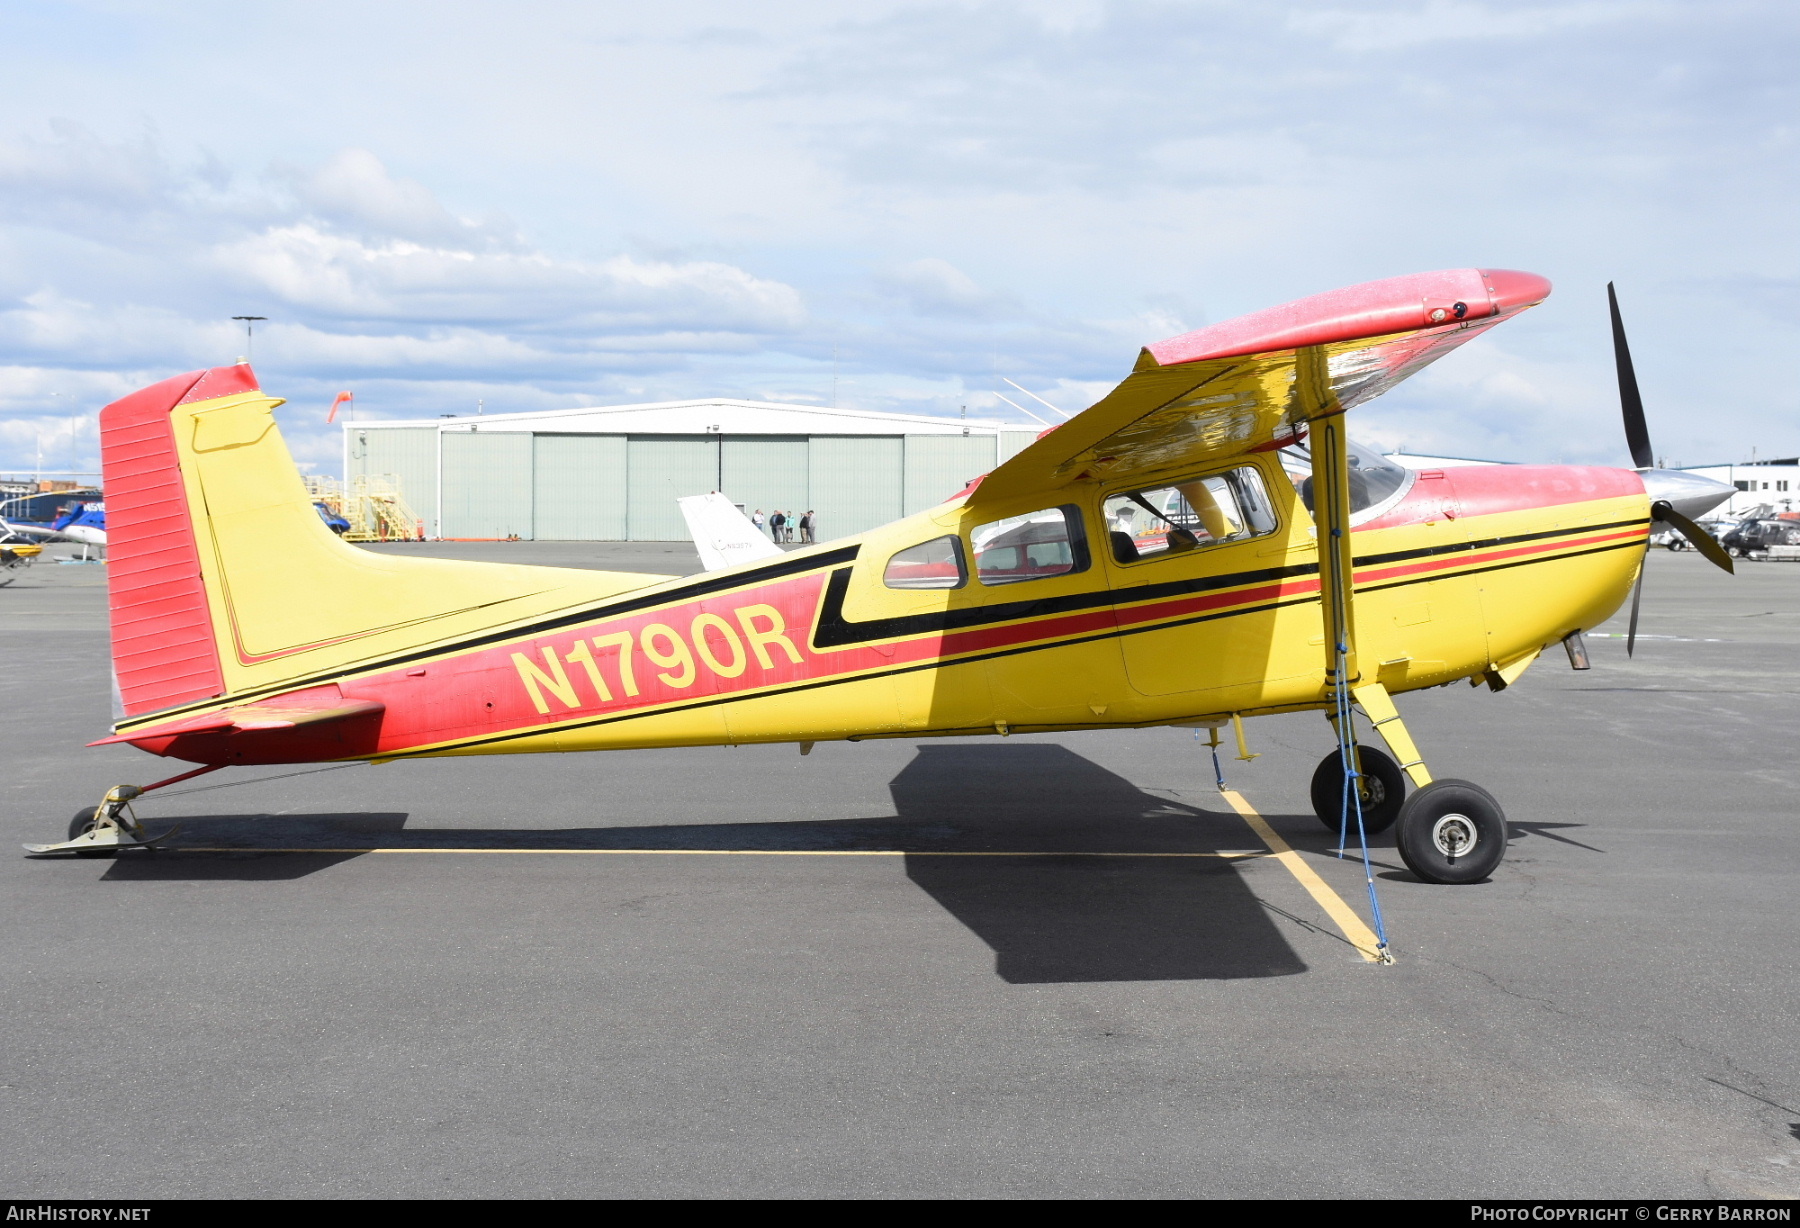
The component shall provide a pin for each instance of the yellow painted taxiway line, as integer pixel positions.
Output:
(1349, 924)
(192, 848)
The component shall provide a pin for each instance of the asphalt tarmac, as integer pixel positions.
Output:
(1615, 1014)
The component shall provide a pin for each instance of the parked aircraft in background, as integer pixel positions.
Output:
(78, 521)
(15, 553)
(722, 534)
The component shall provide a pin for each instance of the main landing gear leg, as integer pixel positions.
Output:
(1379, 705)
(113, 825)
(1448, 831)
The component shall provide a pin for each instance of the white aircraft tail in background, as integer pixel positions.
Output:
(722, 533)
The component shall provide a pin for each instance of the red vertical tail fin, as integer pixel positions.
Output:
(164, 649)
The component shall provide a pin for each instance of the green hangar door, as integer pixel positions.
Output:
(487, 484)
(578, 492)
(937, 466)
(766, 473)
(662, 469)
(408, 459)
(855, 482)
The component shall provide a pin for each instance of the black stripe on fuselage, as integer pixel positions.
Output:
(637, 600)
(993, 654)
(834, 631)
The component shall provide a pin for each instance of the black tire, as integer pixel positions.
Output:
(80, 825)
(1383, 790)
(1451, 831)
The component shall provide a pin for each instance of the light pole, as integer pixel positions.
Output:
(250, 323)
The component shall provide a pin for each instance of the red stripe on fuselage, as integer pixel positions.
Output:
(1370, 575)
(487, 694)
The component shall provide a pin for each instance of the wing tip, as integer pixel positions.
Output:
(1511, 290)
(1369, 309)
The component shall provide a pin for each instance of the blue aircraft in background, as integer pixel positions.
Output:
(83, 520)
(79, 520)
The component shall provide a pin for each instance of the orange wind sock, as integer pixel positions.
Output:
(341, 398)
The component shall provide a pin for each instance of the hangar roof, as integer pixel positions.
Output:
(727, 417)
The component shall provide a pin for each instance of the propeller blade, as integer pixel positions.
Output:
(1637, 595)
(1637, 434)
(1703, 541)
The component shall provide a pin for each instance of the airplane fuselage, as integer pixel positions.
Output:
(1471, 572)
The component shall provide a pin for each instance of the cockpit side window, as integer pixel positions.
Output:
(1030, 547)
(937, 563)
(1206, 511)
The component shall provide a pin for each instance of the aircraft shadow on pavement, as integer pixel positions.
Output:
(247, 836)
(1082, 919)
(1047, 918)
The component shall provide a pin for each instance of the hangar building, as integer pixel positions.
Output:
(614, 473)
(1772, 483)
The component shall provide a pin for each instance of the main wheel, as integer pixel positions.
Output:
(1383, 787)
(1451, 831)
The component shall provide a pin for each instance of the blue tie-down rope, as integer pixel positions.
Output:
(1218, 772)
(1353, 797)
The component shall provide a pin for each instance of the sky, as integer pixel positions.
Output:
(889, 205)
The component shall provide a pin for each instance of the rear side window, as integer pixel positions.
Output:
(1226, 507)
(1030, 547)
(934, 564)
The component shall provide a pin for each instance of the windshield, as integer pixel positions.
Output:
(1373, 477)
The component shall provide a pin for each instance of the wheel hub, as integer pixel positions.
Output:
(1454, 835)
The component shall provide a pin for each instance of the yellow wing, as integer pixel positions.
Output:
(1254, 382)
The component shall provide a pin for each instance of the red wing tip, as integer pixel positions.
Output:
(1371, 309)
(1511, 289)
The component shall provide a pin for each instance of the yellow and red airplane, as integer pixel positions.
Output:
(1156, 560)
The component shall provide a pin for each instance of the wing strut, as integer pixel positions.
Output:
(1337, 605)
(1331, 513)
(1344, 683)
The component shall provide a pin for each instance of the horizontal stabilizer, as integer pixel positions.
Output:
(290, 712)
(724, 536)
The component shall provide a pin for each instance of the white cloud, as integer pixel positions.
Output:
(1439, 21)
(306, 267)
(922, 196)
(1491, 402)
(137, 265)
(353, 190)
(932, 286)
